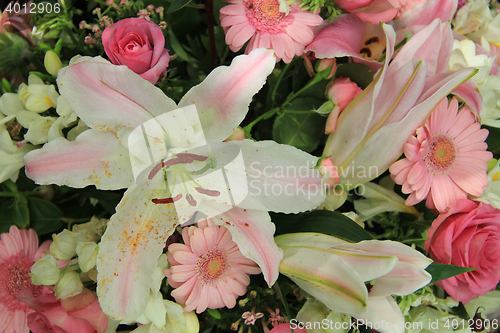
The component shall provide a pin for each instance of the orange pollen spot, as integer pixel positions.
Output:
(211, 265)
(441, 154)
(49, 102)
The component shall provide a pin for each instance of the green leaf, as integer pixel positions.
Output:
(361, 74)
(20, 212)
(45, 216)
(214, 313)
(493, 139)
(299, 125)
(323, 221)
(6, 213)
(442, 271)
(176, 5)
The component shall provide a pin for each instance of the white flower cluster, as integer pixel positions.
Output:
(23, 110)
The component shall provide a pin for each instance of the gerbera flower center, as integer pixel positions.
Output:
(266, 16)
(14, 280)
(441, 154)
(211, 265)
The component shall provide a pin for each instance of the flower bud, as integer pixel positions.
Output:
(238, 134)
(192, 323)
(45, 271)
(87, 255)
(63, 245)
(52, 63)
(90, 231)
(69, 285)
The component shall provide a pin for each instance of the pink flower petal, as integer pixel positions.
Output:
(129, 251)
(222, 99)
(94, 158)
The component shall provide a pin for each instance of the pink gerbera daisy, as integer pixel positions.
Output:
(270, 24)
(446, 160)
(18, 252)
(209, 270)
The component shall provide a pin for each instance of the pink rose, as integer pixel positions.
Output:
(373, 11)
(467, 235)
(78, 314)
(137, 44)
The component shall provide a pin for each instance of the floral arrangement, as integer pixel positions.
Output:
(250, 165)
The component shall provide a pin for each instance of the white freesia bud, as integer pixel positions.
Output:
(25, 118)
(52, 63)
(22, 93)
(69, 285)
(87, 255)
(45, 271)
(38, 130)
(63, 245)
(10, 104)
(90, 231)
(37, 96)
(192, 323)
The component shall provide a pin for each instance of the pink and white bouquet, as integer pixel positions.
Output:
(250, 165)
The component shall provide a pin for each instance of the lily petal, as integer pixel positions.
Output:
(94, 158)
(403, 279)
(326, 277)
(423, 46)
(425, 12)
(384, 310)
(222, 99)
(120, 99)
(129, 250)
(287, 184)
(253, 232)
(341, 38)
(383, 148)
(344, 140)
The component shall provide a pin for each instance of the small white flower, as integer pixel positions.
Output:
(87, 255)
(45, 271)
(69, 285)
(63, 246)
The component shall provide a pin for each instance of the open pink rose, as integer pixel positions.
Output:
(467, 235)
(78, 314)
(137, 44)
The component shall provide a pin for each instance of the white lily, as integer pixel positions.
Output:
(115, 102)
(335, 272)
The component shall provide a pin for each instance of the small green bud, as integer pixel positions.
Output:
(52, 63)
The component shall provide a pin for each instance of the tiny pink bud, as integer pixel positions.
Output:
(343, 92)
(327, 168)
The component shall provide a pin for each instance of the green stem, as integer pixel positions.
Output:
(290, 98)
(15, 194)
(280, 77)
(283, 299)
